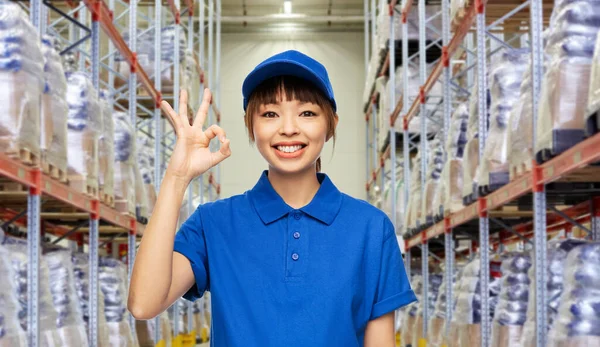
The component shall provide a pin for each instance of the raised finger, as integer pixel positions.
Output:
(214, 131)
(203, 110)
(183, 107)
(172, 116)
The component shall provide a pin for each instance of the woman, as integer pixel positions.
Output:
(291, 262)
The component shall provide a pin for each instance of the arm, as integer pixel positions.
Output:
(380, 332)
(160, 276)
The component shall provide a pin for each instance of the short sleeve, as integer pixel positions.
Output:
(191, 243)
(393, 287)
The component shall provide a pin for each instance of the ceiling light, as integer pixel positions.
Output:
(287, 6)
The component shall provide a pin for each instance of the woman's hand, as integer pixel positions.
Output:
(191, 156)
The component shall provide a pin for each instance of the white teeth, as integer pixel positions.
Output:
(289, 149)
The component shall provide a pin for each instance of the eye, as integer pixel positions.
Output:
(270, 115)
(308, 114)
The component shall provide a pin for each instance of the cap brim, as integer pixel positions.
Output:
(280, 68)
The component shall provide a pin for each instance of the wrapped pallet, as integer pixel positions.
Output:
(566, 82)
(436, 334)
(124, 168)
(84, 123)
(106, 149)
(81, 268)
(428, 300)
(466, 320)
(145, 160)
(452, 174)
(69, 323)
(511, 311)
(555, 271)
(506, 76)
(54, 112)
(22, 81)
(430, 208)
(167, 43)
(577, 323)
(113, 284)
(471, 153)
(17, 253)
(145, 330)
(414, 83)
(520, 144)
(144, 49)
(410, 316)
(413, 213)
(398, 198)
(12, 334)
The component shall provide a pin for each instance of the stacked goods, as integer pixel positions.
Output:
(81, 270)
(106, 149)
(471, 154)
(145, 155)
(436, 334)
(410, 311)
(144, 49)
(167, 43)
(200, 321)
(69, 323)
(430, 208)
(84, 123)
(429, 299)
(466, 320)
(113, 284)
(22, 81)
(191, 81)
(141, 195)
(145, 331)
(557, 255)
(17, 253)
(12, 333)
(54, 112)
(399, 198)
(511, 311)
(413, 215)
(565, 85)
(520, 145)
(452, 175)
(505, 81)
(124, 163)
(414, 83)
(577, 322)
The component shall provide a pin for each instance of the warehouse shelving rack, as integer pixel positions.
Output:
(537, 193)
(86, 20)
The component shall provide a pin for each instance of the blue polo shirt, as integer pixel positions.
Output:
(280, 276)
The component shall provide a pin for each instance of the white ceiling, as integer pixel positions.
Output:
(316, 7)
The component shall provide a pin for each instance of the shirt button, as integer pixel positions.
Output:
(296, 235)
(295, 256)
(297, 215)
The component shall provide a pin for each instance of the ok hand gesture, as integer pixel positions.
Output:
(192, 156)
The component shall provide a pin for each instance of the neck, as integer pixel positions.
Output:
(298, 189)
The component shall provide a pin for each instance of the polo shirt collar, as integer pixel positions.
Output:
(270, 207)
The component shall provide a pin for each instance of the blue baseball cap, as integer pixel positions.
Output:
(289, 63)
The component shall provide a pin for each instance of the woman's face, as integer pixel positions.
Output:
(290, 135)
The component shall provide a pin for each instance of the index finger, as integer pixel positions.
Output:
(203, 110)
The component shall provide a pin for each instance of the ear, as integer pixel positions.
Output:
(335, 123)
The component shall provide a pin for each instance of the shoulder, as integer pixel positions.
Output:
(362, 212)
(220, 206)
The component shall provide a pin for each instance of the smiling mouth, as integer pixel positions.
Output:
(289, 149)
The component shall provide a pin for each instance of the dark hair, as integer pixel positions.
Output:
(274, 89)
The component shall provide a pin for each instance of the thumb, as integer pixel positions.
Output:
(223, 153)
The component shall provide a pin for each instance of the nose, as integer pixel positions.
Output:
(289, 126)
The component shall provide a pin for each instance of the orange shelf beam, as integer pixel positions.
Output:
(577, 157)
(23, 174)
